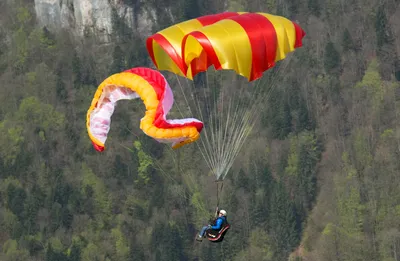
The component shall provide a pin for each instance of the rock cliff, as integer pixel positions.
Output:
(79, 16)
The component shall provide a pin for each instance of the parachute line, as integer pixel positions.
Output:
(229, 117)
(248, 44)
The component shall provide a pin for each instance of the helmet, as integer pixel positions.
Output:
(223, 212)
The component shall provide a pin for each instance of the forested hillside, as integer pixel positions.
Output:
(317, 178)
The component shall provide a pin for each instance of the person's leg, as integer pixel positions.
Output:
(200, 236)
(203, 231)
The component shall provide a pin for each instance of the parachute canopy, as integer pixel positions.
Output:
(248, 43)
(153, 89)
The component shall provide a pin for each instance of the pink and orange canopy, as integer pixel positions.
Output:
(249, 43)
(157, 96)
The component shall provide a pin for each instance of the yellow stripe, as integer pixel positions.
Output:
(146, 92)
(164, 61)
(231, 44)
(175, 34)
(286, 35)
(193, 50)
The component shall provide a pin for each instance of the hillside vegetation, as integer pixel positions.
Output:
(317, 179)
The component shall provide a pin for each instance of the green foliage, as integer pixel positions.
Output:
(118, 64)
(263, 183)
(260, 247)
(41, 76)
(34, 123)
(278, 118)
(94, 186)
(167, 242)
(13, 253)
(197, 202)
(9, 221)
(383, 32)
(397, 69)
(331, 58)
(235, 5)
(347, 41)
(351, 212)
(34, 202)
(91, 252)
(20, 49)
(10, 142)
(371, 78)
(137, 207)
(286, 111)
(315, 7)
(301, 171)
(39, 115)
(145, 164)
(61, 200)
(74, 253)
(53, 255)
(76, 68)
(373, 84)
(16, 197)
(293, 159)
(293, 7)
(362, 155)
(282, 222)
(191, 9)
(121, 244)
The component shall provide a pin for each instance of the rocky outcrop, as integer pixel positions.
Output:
(81, 16)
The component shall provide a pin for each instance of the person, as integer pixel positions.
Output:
(218, 222)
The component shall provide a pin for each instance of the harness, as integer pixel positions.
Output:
(218, 235)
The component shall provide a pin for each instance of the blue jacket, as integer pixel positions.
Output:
(218, 223)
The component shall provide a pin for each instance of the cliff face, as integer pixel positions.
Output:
(93, 15)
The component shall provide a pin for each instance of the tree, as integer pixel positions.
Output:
(52, 255)
(13, 252)
(315, 7)
(191, 9)
(118, 64)
(383, 32)
(331, 58)
(75, 253)
(282, 222)
(16, 197)
(347, 41)
(145, 164)
(33, 203)
(76, 69)
(277, 114)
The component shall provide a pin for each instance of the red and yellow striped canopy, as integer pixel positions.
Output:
(249, 43)
(151, 86)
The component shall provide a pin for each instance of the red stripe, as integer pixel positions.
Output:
(98, 147)
(165, 125)
(210, 19)
(158, 82)
(168, 48)
(208, 56)
(155, 78)
(299, 35)
(263, 41)
(149, 46)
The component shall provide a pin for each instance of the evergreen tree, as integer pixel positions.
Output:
(118, 63)
(282, 222)
(331, 58)
(383, 32)
(347, 41)
(314, 7)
